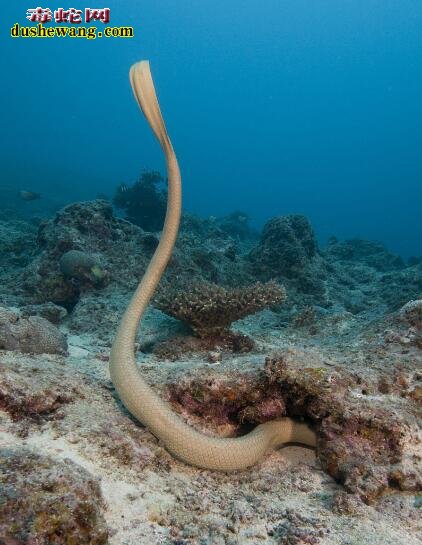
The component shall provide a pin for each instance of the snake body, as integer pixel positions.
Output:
(180, 439)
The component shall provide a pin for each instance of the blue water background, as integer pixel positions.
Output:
(274, 107)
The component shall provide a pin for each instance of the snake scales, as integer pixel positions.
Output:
(180, 439)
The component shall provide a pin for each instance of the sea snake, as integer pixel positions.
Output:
(180, 439)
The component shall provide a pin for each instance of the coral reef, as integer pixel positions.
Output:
(212, 346)
(18, 248)
(347, 359)
(152, 498)
(362, 444)
(144, 202)
(33, 334)
(30, 392)
(411, 313)
(288, 251)
(51, 312)
(72, 254)
(17, 243)
(372, 254)
(236, 225)
(91, 230)
(209, 309)
(37, 394)
(367, 275)
(356, 274)
(83, 267)
(406, 326)
(230, 400)
(396, 288)
(45, 501)
(287, 246)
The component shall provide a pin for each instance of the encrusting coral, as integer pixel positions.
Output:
(51, 312)
(28, 391)
(44, 502)
(361, 443)
(76, 253)
(288, 250)
(370, 253)
(411, 313)
(409, 316)
(181, 440)
(210, 309)
(33, 334)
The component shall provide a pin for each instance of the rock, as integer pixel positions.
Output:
(365, 445)
(406, 329)
(411, 313)
(51, 312)
(287, 245)
(288, 250)
(214, 356)
(297, 529)
(83, 267)
(396, 288)
(34, 391)
(71, 252)
(17, 243)
(227, 400)
(44, 502)
(373, 254)
(31, 335)
(347, 504)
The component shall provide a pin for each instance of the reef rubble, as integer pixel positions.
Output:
(342, 352)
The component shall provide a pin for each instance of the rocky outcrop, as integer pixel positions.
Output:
(47, 501)
(288, 251)
(31, 335)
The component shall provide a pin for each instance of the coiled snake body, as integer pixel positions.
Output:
(180, 439)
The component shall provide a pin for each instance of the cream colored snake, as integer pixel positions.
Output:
(180, 439)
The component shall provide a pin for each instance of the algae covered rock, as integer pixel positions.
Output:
(288, 250)
(17, 243)
(368, 446)
(287, 245)
(35, 390)
(372, 254)
(411, 313)
(45, 502)
(51, 312)
(30, 335)
(82, 266)
(69, 247)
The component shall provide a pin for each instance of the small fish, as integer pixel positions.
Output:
(29, 195)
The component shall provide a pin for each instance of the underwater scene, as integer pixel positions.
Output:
(211, 273)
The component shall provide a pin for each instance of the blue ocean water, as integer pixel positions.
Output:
(273, 107)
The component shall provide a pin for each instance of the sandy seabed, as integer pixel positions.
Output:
(151, 498)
